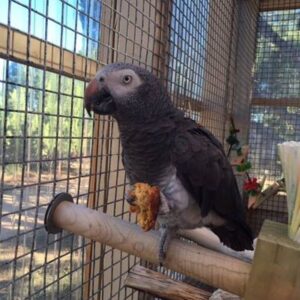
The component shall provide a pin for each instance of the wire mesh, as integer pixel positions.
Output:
(202, 50)
(275, 110)
(46, 141)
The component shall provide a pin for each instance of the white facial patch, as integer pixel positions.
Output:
(118, 86)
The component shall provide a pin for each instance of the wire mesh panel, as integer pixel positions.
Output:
(199, 59)
(209, 52)
(276, 96)
(47, 48)
(210, 62)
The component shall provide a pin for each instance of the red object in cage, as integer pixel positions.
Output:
(251, 186)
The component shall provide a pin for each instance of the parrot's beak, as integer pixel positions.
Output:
(89, 94)
(98, 99)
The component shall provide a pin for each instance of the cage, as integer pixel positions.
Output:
(219, 60)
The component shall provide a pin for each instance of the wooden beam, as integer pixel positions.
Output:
(280, 102)
(92, 203)
(275, 274)
(205, 265)
(160, 285)
(70, 63)
(270, 5)
(100, 146)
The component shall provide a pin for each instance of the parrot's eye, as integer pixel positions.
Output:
(127, 79)
(101, 79)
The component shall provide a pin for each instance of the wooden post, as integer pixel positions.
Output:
(275, 274)
(205, 265)
(162, 286)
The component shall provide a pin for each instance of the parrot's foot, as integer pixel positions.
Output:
(128, 196)
(166, 234)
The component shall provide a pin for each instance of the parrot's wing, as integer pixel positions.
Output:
(204, 169)
(206, 173)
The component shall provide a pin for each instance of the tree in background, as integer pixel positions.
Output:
(277, 69)
(61, 113)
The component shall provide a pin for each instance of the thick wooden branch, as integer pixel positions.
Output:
(160, 285)
(205, 265)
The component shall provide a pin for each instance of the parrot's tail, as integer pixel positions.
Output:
(235, 235)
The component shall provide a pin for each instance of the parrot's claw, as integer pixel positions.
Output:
(165, 237)
(129, 198)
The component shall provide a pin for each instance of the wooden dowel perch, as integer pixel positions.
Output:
(205, 265)
(162, 286)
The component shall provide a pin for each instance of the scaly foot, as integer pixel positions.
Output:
(166, 234)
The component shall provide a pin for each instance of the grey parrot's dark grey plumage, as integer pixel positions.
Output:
(162, 147)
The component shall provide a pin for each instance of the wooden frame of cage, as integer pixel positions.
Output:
(269, 5)
(56, 57)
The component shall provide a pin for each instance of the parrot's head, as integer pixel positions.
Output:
(126, 92)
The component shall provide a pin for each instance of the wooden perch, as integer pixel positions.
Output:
(207, 266)
(269, 192)
(160, 285)
(276, 264)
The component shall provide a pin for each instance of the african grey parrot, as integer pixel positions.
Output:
(161, 147)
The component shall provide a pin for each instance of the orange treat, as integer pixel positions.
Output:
(145, 203)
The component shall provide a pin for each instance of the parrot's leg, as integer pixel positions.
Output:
(164, 207)
(165, 237)
(166, 232)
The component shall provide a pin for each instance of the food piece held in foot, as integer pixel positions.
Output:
(145, 202)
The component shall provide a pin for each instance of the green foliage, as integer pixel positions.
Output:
(232, 140)
(246, 166)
